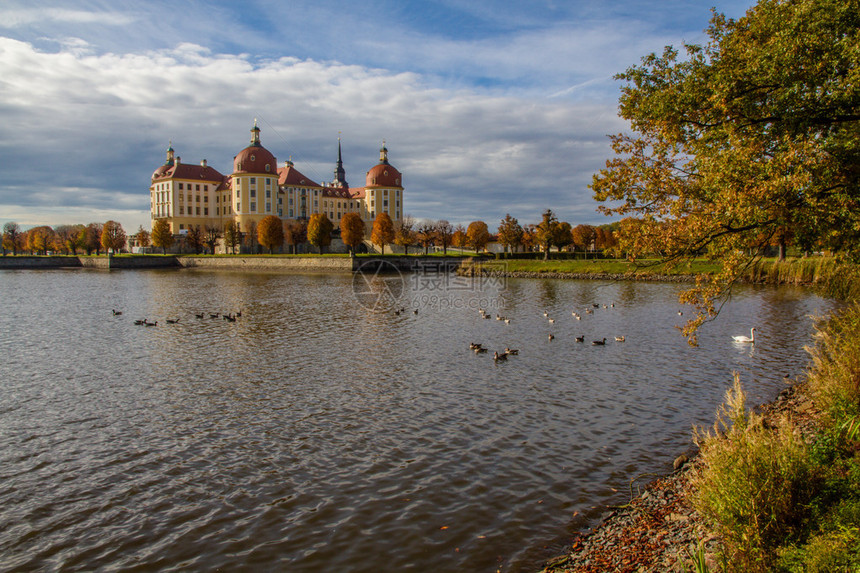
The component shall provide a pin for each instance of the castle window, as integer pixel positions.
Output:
(181, 210)
(206, 211)
(238, 207)
(197, 187)
(198, 210)
(181, 226)
(268, 168)
(253, 192)
(180, 186)
(206, 198)
(253, 179)
(253, 158)
(253, 206)
(268, 193)
(268, 207)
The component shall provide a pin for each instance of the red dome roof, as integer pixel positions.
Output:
(383, 175)
(255, 158)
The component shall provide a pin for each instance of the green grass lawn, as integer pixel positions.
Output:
(605, 266)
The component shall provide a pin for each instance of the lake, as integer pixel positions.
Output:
(323, 431)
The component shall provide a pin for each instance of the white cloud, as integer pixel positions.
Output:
(19, 17)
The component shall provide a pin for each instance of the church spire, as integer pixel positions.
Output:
(339, 172)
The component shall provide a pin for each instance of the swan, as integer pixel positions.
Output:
(598, 342)
(746, 339)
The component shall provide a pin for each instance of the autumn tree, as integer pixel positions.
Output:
(404, 233)
(249, 238)
(162, 236)
(295, 233)
(352, 231)
(211, 235)
(232, 236)
(12, 236)
(460, 239)
(547, 231)
(113, 237)
(93, 238)
(426, 235)
(319, 231)
(194, 239)
(740, 139)
(40, 239)
(583, 236)
(478, 235)
(270, 232)
(69, 238)
(383, 231)
(529, 239)
(510, 233)
(143, 237)
(444, 235)
(563, 236)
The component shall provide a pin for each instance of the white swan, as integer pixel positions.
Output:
(746, 339)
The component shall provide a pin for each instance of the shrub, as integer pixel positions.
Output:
(754, 483)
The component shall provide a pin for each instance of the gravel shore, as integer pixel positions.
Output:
(659, 530)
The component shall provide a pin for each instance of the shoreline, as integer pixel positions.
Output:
(659, 530)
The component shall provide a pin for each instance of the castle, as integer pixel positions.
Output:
(189, 195)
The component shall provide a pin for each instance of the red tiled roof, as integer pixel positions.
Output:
(187, 171)
(289, 175)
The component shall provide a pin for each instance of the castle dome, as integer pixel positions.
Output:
(383, 174)
(255, 158)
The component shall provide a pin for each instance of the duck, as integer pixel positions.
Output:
(216, 315)
(397, 313)
(229, 318)
(117, 312)
(619, 339)
(238, 313)
(145, 323)
(680, 313)
(497, 356)
(201, 315)
(746, 339)
(552, 321)
(474, 345)
(512, 352)
(480, 350)
(598, 342)
(545, 313)
(551, 336)
(139, 322)
(580, 338)
(415, 311)
(487, 316)
(507, 321)
(589, 311)
(172, 320)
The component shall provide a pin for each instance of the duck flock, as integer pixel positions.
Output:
(229, 317)
(479, 348)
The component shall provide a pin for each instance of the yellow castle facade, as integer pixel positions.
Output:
(191, 195)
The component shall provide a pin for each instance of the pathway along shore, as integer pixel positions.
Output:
(659, 530)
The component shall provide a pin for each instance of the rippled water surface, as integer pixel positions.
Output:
(314, 435)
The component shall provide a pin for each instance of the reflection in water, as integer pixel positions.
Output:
(315, 435)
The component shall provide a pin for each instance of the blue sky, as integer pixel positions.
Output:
(486, 107)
